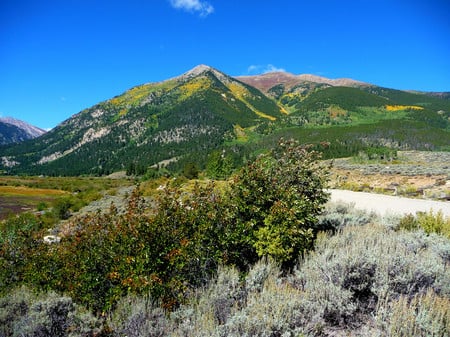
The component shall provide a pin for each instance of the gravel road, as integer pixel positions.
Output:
(386, 204)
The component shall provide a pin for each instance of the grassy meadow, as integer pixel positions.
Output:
(20, 194)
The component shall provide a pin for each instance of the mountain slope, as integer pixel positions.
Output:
(288, 81)
(13, 131)
(184, 117)
(183, 120)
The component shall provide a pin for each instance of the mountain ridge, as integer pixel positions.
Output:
(13, 130)
(186, 118)
(265, 81)
(150, 123)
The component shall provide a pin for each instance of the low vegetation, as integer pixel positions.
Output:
(258, 256)
(414, 174)
(55, 198)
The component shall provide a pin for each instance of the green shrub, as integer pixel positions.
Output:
(277, 199)
(19, 241)
(408, 222)
(430, 222)
(62, 207)
(434, 223)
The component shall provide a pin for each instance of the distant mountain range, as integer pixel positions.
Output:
(186, 119)
(13, 131)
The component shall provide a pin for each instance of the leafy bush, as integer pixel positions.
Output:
(408, 222)
(364, 282)
(277, 199)
(434, 223)
(427, 221)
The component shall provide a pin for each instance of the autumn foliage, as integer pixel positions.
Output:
(171, 247)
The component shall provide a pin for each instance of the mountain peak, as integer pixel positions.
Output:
(196, 71)
(13, 130)
(32, 130)
(202, 69)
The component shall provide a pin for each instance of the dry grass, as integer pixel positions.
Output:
(27, 191)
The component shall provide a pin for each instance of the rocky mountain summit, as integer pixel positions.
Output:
(13, 131)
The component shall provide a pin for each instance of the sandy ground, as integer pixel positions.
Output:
(386, 204)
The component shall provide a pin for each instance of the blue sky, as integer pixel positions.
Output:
(58, 57)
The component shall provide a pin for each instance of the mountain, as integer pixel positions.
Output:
(13, 131)
(181, 118)
(287, 82)
(204, 114)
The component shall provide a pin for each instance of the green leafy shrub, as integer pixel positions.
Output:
(408, 222)
(363, 282)
(19, 242)
(62, 207)
(277, 199)
(434, 223)
(429, 222)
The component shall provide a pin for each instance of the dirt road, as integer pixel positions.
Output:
(383, 204)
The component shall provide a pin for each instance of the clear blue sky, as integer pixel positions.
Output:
(58, 57)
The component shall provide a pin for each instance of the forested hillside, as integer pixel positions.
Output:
(185, 121)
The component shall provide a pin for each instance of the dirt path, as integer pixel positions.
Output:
(383, 204)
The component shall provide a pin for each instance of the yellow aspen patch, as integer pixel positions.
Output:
(402, 107)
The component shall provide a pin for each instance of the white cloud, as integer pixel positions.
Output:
(204, 8)
(253, 69)
(270, 68)
(263, 69)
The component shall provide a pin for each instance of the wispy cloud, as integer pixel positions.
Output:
(263, 69)
(203, 8)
